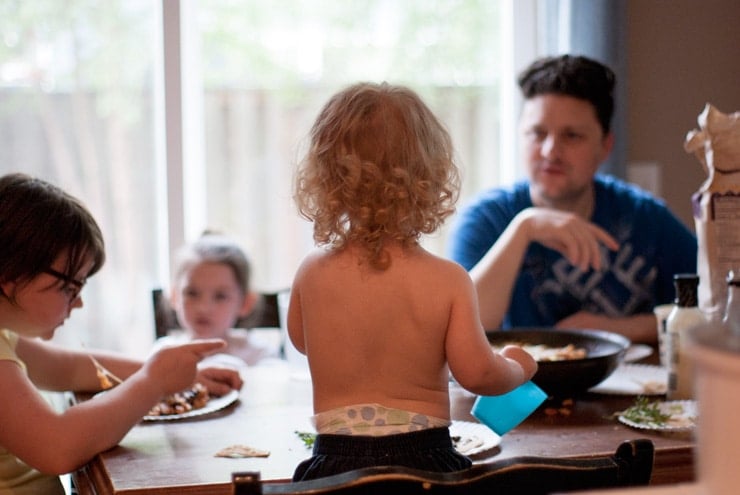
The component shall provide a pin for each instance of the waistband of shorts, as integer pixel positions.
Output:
(401, 443)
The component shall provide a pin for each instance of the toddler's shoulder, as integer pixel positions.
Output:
(446, 270)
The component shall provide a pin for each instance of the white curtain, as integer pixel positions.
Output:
(596, 29)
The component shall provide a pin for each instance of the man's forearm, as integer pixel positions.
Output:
(495, 274)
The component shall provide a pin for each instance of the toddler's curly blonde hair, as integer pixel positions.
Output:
(379, 168)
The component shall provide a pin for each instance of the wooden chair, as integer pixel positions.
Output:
(630, 465)
(265, 314)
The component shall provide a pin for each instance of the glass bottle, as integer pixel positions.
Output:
(731, 320)
(685, 315)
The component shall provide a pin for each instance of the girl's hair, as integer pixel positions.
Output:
(379, 168)
(215, 248)
(38, 223)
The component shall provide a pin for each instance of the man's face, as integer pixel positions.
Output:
(563, 145)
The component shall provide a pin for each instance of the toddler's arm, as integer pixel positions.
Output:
(472, 361)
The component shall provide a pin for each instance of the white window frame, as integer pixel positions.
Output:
(183, 169)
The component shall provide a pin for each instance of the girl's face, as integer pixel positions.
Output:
(208, 300)
(45, 302)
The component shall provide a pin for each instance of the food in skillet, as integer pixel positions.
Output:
(542, 352)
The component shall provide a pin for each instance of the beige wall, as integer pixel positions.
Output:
(681, 54)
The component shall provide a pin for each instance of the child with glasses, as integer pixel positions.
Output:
(49, 245)
(381, 320)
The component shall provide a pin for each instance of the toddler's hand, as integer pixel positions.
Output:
(218, 380)
(174, 368)
(525, 359)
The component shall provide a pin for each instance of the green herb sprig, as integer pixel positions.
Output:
(308, 438)
(645, 412)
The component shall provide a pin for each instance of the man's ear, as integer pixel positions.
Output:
(7, 288)
(607, 145)
(250, 301)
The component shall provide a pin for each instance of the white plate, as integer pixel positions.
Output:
(634, 379)
(637, 352)
(474, 437)
(214, 404)
(682, 417)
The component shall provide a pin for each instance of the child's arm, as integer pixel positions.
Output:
(473, 363)
(59, 442)
(54, 368)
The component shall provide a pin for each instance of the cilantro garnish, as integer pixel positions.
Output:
(646, 412)
(307, 438)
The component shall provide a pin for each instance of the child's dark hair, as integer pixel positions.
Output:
(212, 247)
(38, 223)
(576, 76)
(379, 168)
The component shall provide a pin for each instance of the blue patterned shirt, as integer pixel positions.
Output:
(654, 245)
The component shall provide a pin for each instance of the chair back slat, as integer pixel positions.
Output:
(630, 465)
(264, 315)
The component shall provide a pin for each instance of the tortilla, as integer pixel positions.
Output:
(241, 451)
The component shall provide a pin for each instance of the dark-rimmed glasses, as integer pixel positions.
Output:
(73, 285)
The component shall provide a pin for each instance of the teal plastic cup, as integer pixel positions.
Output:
(502, 413)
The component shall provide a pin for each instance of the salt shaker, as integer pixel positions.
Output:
(684, 316)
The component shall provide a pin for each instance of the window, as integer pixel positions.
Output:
(83, 86)
(77, 108)
(267, 68)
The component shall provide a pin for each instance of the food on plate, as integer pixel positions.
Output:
(105, 377)
(654, 387)
(105, 383)
(659, 415)
(542, 352)
(465, 445)
(181, 402)
(239, 451)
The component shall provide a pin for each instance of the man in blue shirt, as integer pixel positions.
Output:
(569, 247)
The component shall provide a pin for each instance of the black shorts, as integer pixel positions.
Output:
(429, 450)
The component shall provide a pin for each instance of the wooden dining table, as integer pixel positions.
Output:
(179, 456)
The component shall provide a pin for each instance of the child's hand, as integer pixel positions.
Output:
(219, 381)
(525, 359)
(174, 368)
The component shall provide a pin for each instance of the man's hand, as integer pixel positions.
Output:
(638, 328)
(577, 239)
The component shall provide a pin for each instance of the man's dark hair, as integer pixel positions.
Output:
(576, 76)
